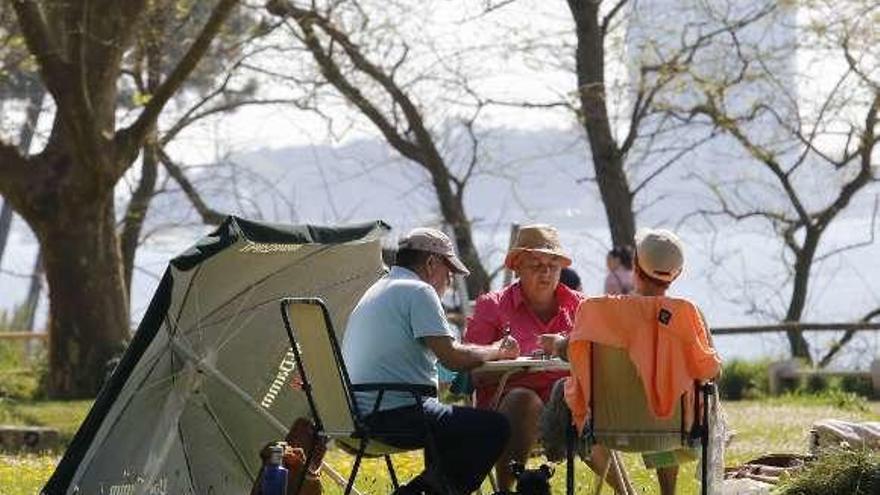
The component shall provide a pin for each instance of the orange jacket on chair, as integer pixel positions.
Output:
(665, 338)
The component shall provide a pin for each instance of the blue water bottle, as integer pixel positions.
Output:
(274, 480)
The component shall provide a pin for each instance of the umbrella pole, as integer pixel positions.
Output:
(336, 477)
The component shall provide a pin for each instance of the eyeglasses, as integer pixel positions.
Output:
(450, 273)
(537, 266)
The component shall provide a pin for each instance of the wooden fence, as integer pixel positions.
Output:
(39, 336)
(788, 371)
(795, 326)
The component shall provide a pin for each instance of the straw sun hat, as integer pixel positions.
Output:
(538, 238)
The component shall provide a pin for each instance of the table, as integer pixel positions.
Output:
(523, 364)
(518, 365)
(534, 365)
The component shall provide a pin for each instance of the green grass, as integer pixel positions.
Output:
(844, 471)
(774, 425)
(65, 416)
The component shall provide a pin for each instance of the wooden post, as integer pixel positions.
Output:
(508, 274)
(875, 377)
(781, 372)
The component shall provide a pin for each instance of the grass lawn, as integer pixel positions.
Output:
(775, 425)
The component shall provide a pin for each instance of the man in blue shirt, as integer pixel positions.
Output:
(397, 333)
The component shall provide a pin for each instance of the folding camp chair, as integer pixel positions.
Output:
(621, 418)
(330, 393)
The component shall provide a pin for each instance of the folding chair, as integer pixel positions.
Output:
(330, 393)
(621, 418)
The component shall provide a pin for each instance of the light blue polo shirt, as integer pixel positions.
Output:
(382, 341)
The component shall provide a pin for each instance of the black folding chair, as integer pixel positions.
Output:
(330, 392)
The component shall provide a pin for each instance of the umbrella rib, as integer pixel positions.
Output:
(249, 287)
(173, 328)
(183, 445)
(227, 438)
(139, 388)
(271, 301)
(203, 366)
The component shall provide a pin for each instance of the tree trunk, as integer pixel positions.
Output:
(36, 94)
(5, 226)
(478, 280)
(88, 309)
(137, 209)
(799, 346)
(33, 297)
(452, 209)
(606, 154)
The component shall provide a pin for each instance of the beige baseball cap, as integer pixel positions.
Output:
(433, 241)
(659, 253)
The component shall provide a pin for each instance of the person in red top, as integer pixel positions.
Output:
(536, 304)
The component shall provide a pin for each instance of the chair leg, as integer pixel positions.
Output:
(704, 489)
(600, 482)
(391, 472)
(570, 439)
(356, 466)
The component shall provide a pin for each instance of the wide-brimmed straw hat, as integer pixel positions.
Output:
(538, 238)
(659, 254)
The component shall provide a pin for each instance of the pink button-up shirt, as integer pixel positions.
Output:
(506, 308)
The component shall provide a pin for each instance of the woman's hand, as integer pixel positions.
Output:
(507, 347)
(552, 344)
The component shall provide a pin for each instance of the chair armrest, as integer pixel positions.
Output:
(415, 389)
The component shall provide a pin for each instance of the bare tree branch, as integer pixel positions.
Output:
(847, 336)
(670, 162)
(42, 45)
(129, 140)
(860, 244)
(208, 214)
(606, 20)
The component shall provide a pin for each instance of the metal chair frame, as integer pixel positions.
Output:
(699, 430)
(362, 434)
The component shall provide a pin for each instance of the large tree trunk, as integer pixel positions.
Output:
(65, 192)
(88, 309)
(607, 157)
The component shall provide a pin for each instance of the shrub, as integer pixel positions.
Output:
(744, 380)
(833, 397)
(815, 384)
(835, 473)
(21, 375)
(857, 385)
(845, 400)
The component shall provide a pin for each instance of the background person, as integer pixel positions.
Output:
(570, 278)
(396, 333)
(619, 279)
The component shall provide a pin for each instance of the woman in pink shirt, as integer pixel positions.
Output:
(536, 304)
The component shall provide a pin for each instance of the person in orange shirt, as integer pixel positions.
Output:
(659, 261)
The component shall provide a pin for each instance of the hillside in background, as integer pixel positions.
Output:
(525, 176)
